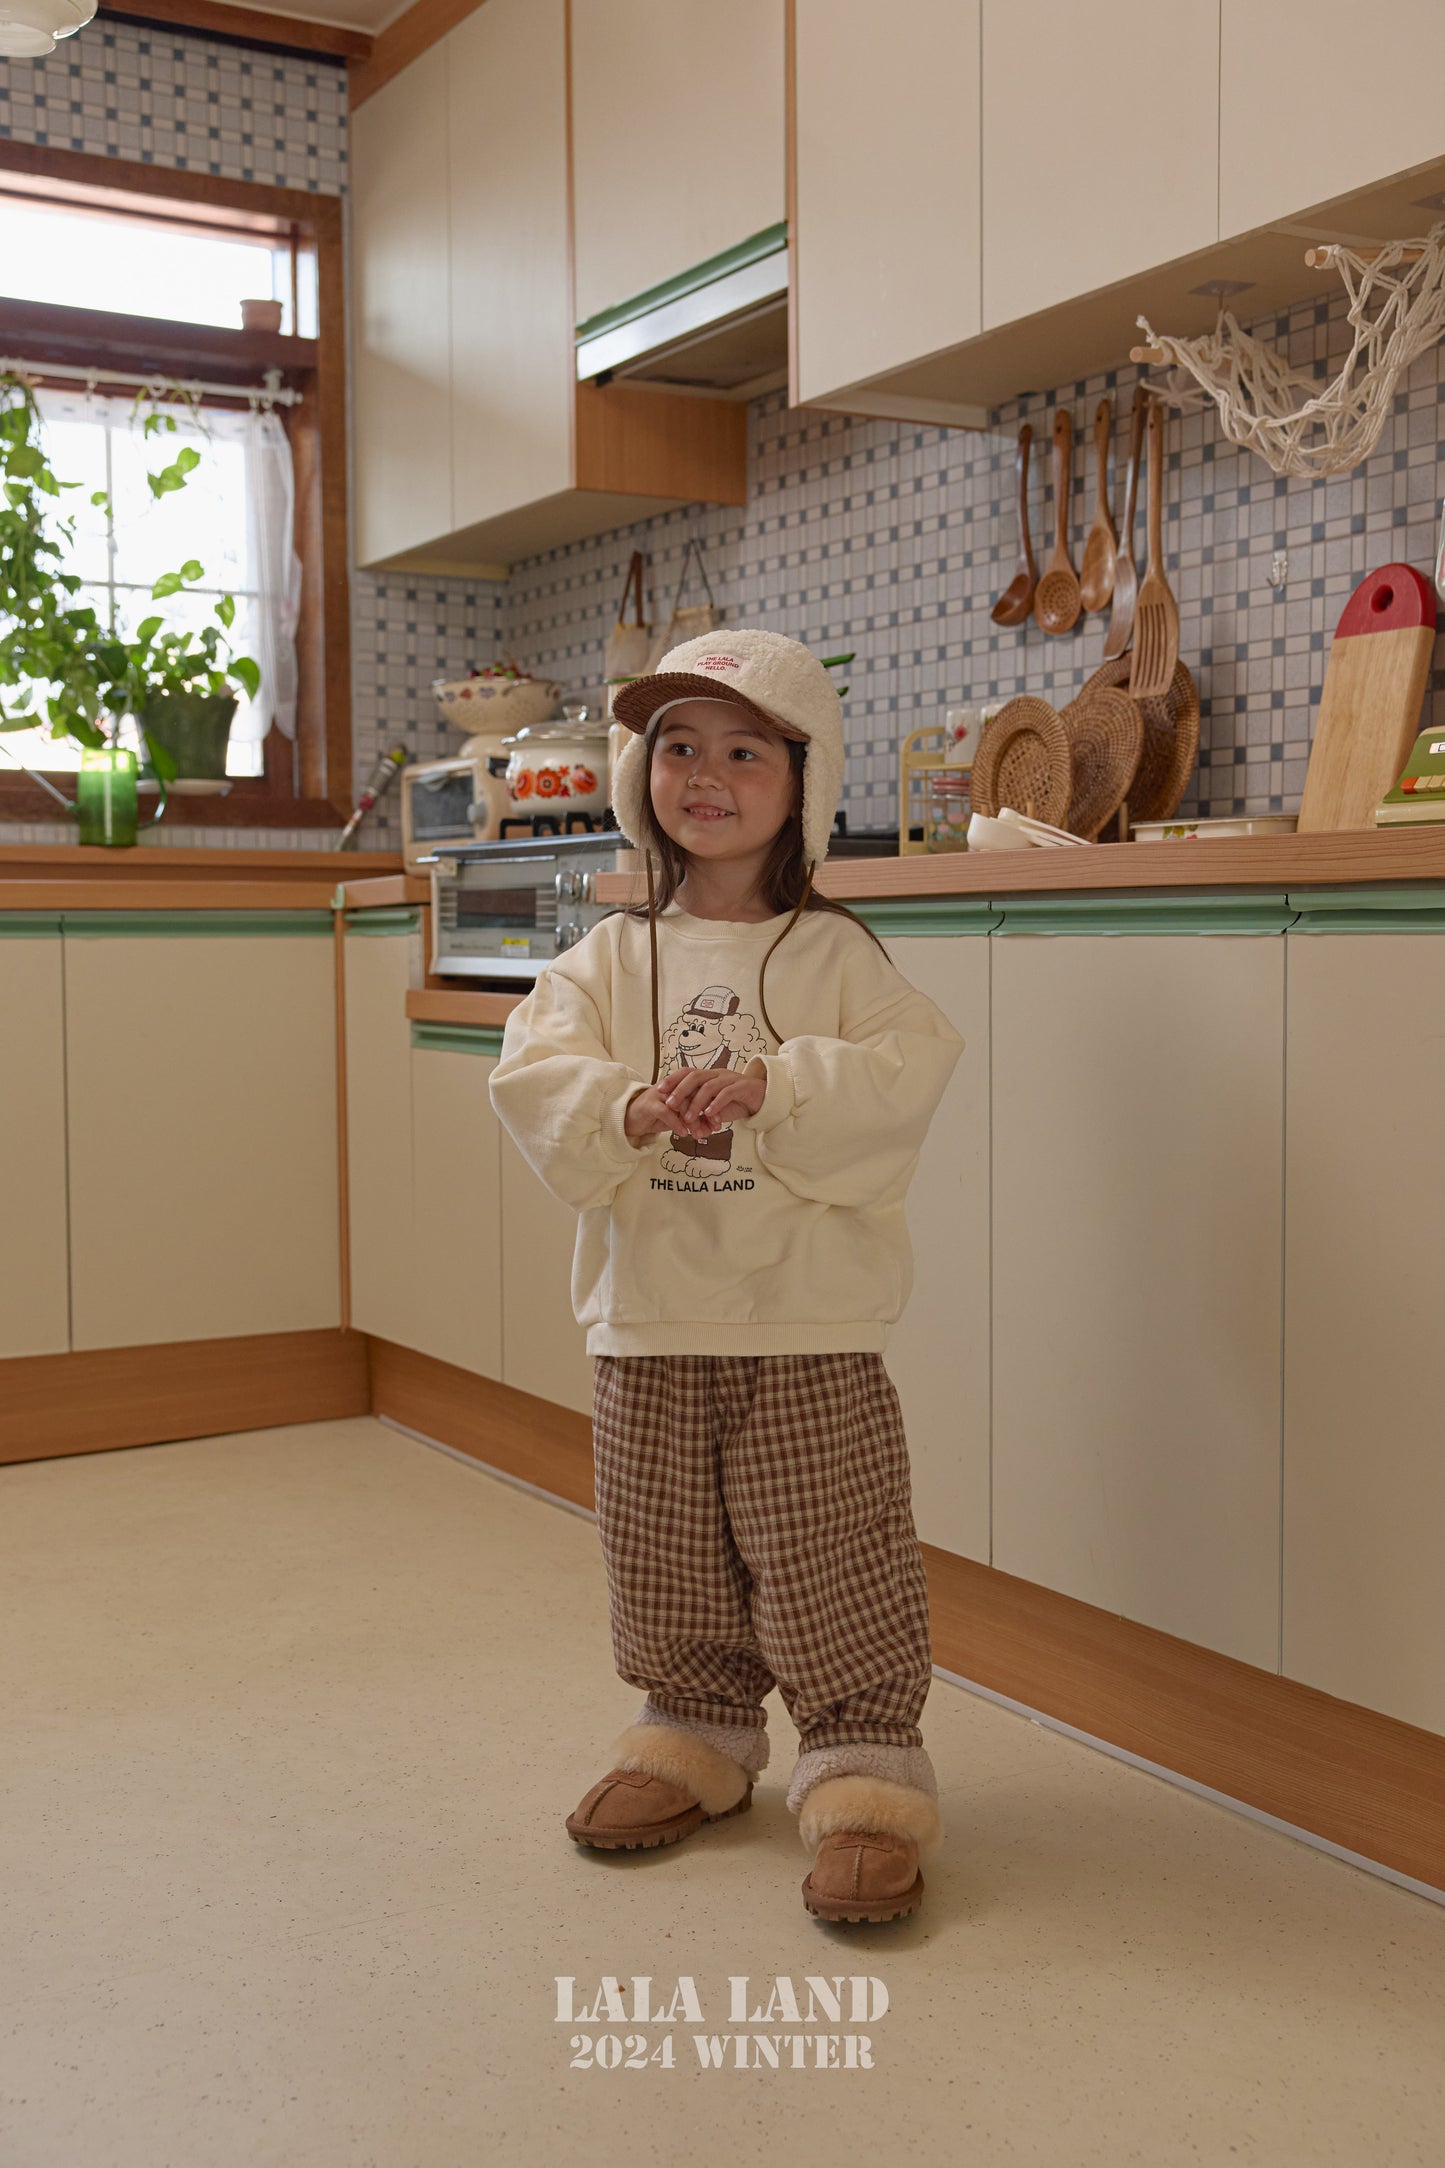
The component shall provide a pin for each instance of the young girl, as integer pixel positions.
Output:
(741, 1253)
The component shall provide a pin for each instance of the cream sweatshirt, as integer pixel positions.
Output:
(784, 1233)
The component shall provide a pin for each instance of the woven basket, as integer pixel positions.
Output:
(1024, 761)
(1171, 740)
(1106, 734)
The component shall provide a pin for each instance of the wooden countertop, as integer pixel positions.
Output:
(95, 877)
(1284, 862)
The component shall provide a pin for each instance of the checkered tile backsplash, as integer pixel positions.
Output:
(884, 537)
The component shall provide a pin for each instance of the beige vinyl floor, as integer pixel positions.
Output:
(291, 1723)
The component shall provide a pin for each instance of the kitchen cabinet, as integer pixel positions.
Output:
(383, 952)
(1120, 103)
(1299, 123)
(202, 1132)
(938, 1351)
(456, 1200)
(401, 303)
(1138, 1095)
(656, 193)
(1364, 1475)
(462, 224)
(544, 1349)
(886, 213)
(34, 1264)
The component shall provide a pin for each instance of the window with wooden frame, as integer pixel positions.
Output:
(305, 782)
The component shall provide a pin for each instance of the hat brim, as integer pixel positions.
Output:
(637, 703)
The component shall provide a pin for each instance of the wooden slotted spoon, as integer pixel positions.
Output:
(1126, 572)
(1096, 573)
(1017, 600)
(1056, 600)
(1156, 619)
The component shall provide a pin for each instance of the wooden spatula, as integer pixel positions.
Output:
(1156, 617)
(1096, 573)
(1056, 602)
(1126, 572)
(1370, 704)
(1017, 600)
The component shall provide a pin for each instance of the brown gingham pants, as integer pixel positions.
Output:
(757, 1524)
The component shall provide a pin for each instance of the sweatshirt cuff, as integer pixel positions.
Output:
(779, 1099)
(624, 1149)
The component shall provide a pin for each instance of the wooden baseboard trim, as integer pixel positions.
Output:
(96, 1399)
(1366, 1782)
(534, 1439)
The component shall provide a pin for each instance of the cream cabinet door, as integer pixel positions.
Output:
(1364, 1446)
(401, 313)
(938, 1352)
(648, 204)
(1138, 1094)
(34, 1260)
(1316, 100)
(886, 206)
(202, 1132)
(544, 1349)
(384, 962)
(511, 315)
(1100, 146)
(456, 1166)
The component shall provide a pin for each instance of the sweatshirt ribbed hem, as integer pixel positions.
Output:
(868, 1336)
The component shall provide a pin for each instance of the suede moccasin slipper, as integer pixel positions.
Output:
(630, 1809)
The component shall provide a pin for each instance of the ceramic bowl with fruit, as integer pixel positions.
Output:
(498, 699)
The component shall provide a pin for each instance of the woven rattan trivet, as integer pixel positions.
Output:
(1106, 734)
(1171, 740)
(1024, 761)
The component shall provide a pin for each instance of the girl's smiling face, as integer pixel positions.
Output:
(722, 784)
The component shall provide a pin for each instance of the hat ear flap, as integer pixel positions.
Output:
(629, 788)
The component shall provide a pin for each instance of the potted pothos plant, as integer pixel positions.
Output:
(59, 664)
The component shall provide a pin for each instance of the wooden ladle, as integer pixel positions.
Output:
(1096, 574)
(1056, 600)
(1017, 600)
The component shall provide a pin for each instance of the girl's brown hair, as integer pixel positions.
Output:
(786, 881)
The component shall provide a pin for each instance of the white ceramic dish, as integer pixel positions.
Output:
(1242, 824)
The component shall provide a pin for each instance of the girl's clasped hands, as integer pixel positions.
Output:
(694, 1102)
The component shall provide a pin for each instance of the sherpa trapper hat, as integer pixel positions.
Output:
(776, 679)
(780, 681)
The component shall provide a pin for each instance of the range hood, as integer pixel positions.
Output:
(719, 330)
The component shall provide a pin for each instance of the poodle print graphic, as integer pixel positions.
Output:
(709, 1034)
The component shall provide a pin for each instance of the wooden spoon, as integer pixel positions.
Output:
(1156, 620)
(1017, 600)
(1096, 574)
(1126, 572)
(1056, 600)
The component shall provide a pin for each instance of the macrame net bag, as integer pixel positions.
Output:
(1396, 310)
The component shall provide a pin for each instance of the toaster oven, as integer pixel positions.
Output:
(501, 910)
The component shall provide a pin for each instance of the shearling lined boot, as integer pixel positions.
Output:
(868, 1835)
(663, 1784)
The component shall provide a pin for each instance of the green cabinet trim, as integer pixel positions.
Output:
(456, 1039)
(29, 925)
(758, 245)
(171, 923)
(926, 914)
(1370, 910)
(389, 918)
(1149, 912)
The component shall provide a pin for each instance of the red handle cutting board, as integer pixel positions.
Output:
(1374, 689)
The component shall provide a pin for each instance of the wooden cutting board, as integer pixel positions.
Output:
(1374, 688)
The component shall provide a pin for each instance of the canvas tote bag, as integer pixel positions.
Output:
(631, 641)
(690, 623)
